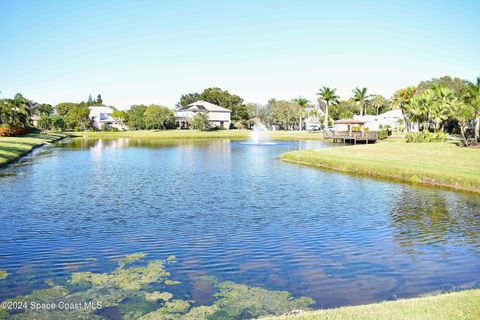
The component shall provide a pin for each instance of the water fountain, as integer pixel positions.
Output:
(259, 135)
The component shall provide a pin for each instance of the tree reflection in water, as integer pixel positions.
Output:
(432, 218)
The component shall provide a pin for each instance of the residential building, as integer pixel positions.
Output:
(312, 118)
(217, 116)
(393, 118)
(102, 118)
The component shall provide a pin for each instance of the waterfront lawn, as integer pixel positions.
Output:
(195, 134)
(451, 306)
(12, 148)
(442, 164)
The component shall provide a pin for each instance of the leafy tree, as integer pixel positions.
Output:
(63, 107)
(158, 117)
(188, 98)
(344, 109)
(328, 96)
(457, 85)
(361, 96)
(200, 121)
(75, 115)
(283, 113)
(136, 117)
(99, 99)
(120, 116)
(380, 104)
(58, 122)
(45, 122)
(78, 118)
(42, 108)
(227, 100)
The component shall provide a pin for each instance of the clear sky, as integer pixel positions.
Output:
(153, 51)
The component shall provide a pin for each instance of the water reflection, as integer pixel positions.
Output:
(454, 219)
(236, 212)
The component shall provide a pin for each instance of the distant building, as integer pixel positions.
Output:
(102, 118)
(35, 119)
(217, 116)
(392, 118)
(312, 118)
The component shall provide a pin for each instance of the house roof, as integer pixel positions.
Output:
(101, 109)
(395, 113)
(350, 121)
(205, 105)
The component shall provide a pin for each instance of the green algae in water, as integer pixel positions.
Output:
(3, 274)
(128, 292)
(157, 296)
(131, 258)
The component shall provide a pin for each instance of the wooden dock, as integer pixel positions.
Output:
(352, 137)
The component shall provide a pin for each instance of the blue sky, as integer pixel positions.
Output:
(153, 51)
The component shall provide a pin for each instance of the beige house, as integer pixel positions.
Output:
(217, 116)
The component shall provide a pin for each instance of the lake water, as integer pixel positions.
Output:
(234, 211)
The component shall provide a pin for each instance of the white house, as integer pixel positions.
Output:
(102, 118)
(392, 118)
(311, 119)
(217, 116)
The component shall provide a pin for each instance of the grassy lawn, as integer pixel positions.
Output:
(442, 164)
(194, 134)
(12, 148)
(463, 305)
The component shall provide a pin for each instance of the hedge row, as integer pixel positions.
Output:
(12, 132)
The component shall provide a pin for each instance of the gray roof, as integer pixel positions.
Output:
(201, 104)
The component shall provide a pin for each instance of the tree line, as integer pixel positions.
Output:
(439, 105)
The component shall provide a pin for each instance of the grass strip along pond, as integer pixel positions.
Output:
(13, 148)
(439, 164)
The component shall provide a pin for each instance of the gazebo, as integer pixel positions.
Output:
(350, 123)
(350, 135)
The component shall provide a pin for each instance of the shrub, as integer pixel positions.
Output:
(239, 125)
(200, 121)
(12, 132)
(216, 128)
(383, 134)
(425, 136)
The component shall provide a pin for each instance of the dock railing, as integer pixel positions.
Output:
(367, 136)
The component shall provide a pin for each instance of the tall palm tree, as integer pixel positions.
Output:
(328, 96)
(303, 103)
(361, 96)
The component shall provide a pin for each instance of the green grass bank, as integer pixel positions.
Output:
(195, 134)
(13, 148)
(463, 305)
(442, 164)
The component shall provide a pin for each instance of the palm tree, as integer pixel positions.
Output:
(421, 108)
(303, 103)
(328, 96)
(379, 102)
(360, 95)
(442, 106)
(21, 110)
(473, 98)
(403, 100)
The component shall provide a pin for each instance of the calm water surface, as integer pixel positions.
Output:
(234, 211)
